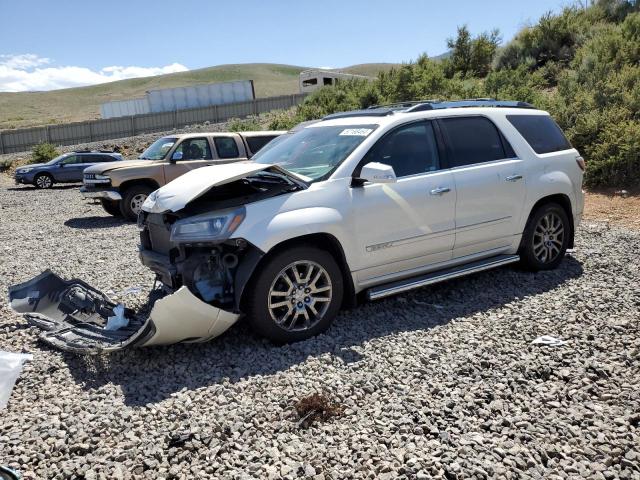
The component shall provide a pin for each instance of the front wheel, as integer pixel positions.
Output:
(43, 181)
(111, 207)
(296, 295)
(132, 201)
(545, 238)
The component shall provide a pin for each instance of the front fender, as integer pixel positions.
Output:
(268, 231)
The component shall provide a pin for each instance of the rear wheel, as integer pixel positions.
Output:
(111, 207)
(296, 295)
(43, 181)
(132, 201)
(545, 239)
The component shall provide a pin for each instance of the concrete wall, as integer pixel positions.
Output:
(82, 132)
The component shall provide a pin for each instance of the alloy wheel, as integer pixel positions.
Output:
(300, 296)
(136, 202)
(44, 181)
(548, 238)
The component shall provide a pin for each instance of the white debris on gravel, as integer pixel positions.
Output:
(442, 382)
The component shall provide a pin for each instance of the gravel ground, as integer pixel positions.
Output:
(442, 382)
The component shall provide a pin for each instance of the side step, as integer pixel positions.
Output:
(400, 286)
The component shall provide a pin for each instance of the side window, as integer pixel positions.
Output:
(226, 147)
(256, 143)
(410, 150)
(472, 140)
(194, 149)
(541, 132)
(70, 160)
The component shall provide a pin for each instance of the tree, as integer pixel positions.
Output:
(472, 57)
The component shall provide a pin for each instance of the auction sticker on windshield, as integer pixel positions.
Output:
(357, 132)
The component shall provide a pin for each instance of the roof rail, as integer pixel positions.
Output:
(472, 102)
(373, 112)
(422, 105)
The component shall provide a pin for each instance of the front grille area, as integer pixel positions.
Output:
(159, 233)
(90, 176)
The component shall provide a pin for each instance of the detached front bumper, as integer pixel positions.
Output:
(73, 316)
(105, 193)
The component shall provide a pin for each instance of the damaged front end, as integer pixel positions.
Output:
(186, 241)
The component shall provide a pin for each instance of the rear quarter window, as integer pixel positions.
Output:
(256, 143)
(540, 132)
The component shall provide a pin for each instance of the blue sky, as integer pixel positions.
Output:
(114, 39)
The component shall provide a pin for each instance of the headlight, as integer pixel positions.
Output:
(214, 226)
(25, 170)
(93, 178)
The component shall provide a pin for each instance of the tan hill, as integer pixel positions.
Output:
(25, 109)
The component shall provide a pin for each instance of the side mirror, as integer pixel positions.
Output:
(375, 172)
(176, 156)
(60, 165)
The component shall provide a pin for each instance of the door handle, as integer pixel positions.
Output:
(440, 190)
(513, 178)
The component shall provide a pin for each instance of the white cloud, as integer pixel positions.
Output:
(20, 73)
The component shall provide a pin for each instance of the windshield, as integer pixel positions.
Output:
(314, 152)
(158, 149)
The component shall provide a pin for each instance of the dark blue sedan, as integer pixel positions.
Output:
(67, 168)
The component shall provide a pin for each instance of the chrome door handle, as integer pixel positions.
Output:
(513, 178)
(440, 190)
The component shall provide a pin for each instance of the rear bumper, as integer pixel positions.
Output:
(105, 193)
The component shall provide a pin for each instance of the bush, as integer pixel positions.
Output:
(43, 152)
(283, 120)
(614, 161)
(244, 125)
(5, 164)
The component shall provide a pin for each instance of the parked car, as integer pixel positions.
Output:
(361, 205)
(123, 187)
(66, 168)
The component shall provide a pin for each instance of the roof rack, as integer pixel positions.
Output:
(372, 112)
(422, 105)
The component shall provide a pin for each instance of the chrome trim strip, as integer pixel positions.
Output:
(460, 272)
(108, 194)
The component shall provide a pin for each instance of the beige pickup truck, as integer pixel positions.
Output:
(122, 187)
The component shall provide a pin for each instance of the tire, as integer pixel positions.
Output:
(545, 238)
(43, 181)
(132, 200)
(295, 324)
(111, 207)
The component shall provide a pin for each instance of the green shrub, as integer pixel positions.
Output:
(43, 152)
(581, 65)
(282, 120)
(5, 164)
(244, 125)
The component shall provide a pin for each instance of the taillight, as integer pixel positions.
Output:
(581, 163)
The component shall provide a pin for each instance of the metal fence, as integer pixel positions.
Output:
(95, 130)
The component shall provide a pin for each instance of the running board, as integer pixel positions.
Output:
(400, 286)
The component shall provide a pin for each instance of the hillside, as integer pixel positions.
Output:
(25, 109)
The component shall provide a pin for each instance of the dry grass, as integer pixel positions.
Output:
(612, 207)
(316, 407)
(26, 109)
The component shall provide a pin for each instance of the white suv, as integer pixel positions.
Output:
(362, 204)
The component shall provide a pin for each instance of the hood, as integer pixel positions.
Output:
(101, 168)
(177, 194)
(31, 165)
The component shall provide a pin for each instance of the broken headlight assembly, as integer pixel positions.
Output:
(214, 226)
